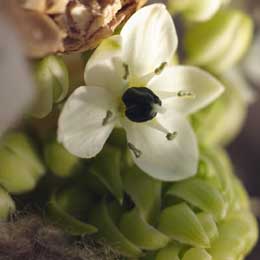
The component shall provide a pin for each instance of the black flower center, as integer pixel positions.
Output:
(140, 104)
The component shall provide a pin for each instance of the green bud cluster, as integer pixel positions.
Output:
(204, 217)
(52, 82)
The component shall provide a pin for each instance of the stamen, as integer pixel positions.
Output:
(136, 152)
(156, 125)
(183, 93)
(126, 68)
(178, 94)
(160, 68)
(171, 136)
(159, 109)
(107, 117)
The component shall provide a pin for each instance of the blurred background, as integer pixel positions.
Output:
(245, 150)
(245, 153)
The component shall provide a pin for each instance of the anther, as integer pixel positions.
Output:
(108, 116)
(160, 68)
(126, 68)
(175, 94)
(171, 136)
(136, 152)
(183, 93)
(157, 126)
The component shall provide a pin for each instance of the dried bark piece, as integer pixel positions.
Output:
(65, 26)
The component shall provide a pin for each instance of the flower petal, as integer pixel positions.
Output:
(167, 160)
(105, 68)
(149, 39)
(186, 80)
(81, 126)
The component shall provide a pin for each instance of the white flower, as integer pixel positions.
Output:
(130, 82)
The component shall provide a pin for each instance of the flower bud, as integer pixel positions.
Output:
(52, 80)
(7, 205)
(219, 43)
(59, 160)
(20, 166)
(227, 113)
(195, 10)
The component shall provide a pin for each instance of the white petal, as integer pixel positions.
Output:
(149, 39)
(80, 127)
(203, 88)
(105, 68)
(167, 160)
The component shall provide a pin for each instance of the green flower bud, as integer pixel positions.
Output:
(20, 166)
(227, 114)
(195, 10)
(219, 43)
(7, 205)
(52, 80)
(205, 217)
(59, 160)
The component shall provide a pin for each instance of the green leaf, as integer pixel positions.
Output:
(20, 165)
(180, 223)
(140, 232)
(7, 205)
(237, 235)
(223, 171)
(59, 209)
(106, 167)
(197, 254)
(144, 191)
(171, 252)
(209, 225)
(102, 219)
(22, 146)
(200, 194)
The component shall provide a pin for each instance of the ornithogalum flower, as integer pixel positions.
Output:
(131, 83)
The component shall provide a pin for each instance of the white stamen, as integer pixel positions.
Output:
(156, 125)
(159, 109)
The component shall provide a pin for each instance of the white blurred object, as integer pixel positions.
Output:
(251, 64)
(16, 87)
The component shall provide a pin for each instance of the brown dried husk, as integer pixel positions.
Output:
(65, 26)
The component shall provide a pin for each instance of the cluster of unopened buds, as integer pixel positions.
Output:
(128, 138)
